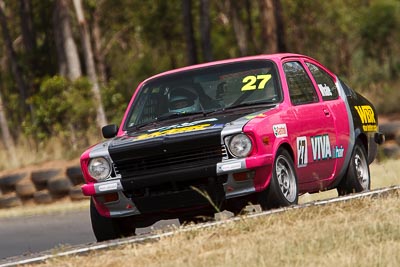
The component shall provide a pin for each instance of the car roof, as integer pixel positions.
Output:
(273, 57)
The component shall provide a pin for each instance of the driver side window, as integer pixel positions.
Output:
(301, 89)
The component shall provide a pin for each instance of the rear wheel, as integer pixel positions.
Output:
(282, 190)
(358, 176)
(109, 228)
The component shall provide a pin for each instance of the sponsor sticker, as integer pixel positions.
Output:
(321, 147)
(367, 116)
(302, 153)
(338, 152)
(182, 125)
(256, 116)
(280, 130)
(174, 131)
(325, 90)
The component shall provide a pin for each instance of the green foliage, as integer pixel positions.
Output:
(114, 102)
(378, 28)
(61, 106)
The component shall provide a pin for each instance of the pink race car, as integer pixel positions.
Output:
(260, 129)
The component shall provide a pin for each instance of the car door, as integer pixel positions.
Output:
(330, 96)
(313, 131)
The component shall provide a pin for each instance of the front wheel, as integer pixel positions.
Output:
(357, 178)
(282, 190)
(109, 228)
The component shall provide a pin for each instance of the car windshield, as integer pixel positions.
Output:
(204, 91)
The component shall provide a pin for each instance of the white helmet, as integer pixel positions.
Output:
(182, 100)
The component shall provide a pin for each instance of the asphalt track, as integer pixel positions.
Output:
(33, 234)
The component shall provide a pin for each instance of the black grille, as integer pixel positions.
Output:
(169, 161)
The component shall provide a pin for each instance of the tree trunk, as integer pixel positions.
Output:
(97, 41)
(70, 51)
(6, 136)
(191, 49)
(280, 27)
(238, 28)
(268, 26)
(12, 57)
(28, 31)
(205, 30)
(29, 41)
(90, 66)
(59, 41)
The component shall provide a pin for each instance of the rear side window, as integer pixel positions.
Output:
(324, 81)
(301, 89)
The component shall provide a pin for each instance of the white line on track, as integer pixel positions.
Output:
(35, 258)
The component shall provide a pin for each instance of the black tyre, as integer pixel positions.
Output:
(59, 185)
(283, 188)
(8, 182)
(25, 189)
(75, 193)
(109, 228)
(75, 175)
(10, 200)
(357, 177)
(40, 177)
(43, 197)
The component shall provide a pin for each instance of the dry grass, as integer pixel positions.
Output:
(383, 174)
(357, 233)
(28, 152)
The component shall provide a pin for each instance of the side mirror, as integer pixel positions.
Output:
(109, 131)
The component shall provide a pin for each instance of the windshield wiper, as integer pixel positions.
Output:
(174, 115)
(250, 104)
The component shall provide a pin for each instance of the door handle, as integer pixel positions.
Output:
(327, 113)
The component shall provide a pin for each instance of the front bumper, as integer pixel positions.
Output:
(128, 204)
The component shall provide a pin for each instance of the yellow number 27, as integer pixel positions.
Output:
(251, 81)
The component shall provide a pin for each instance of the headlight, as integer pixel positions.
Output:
(239, 145)
(99, 168)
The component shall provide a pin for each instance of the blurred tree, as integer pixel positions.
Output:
(90, 66)
(238, 25)
(12, 58)
(98, 42)
(68, 57)
(29, 41)
(205, 29)
(6, 135)
(28, 30)
(379, 29)
(191, 47)
(269, 26)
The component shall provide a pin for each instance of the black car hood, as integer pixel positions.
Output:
(178, 128)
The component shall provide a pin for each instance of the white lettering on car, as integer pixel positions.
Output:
(321, 147)
(338, 152)
(302, 158)
(325, 90)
